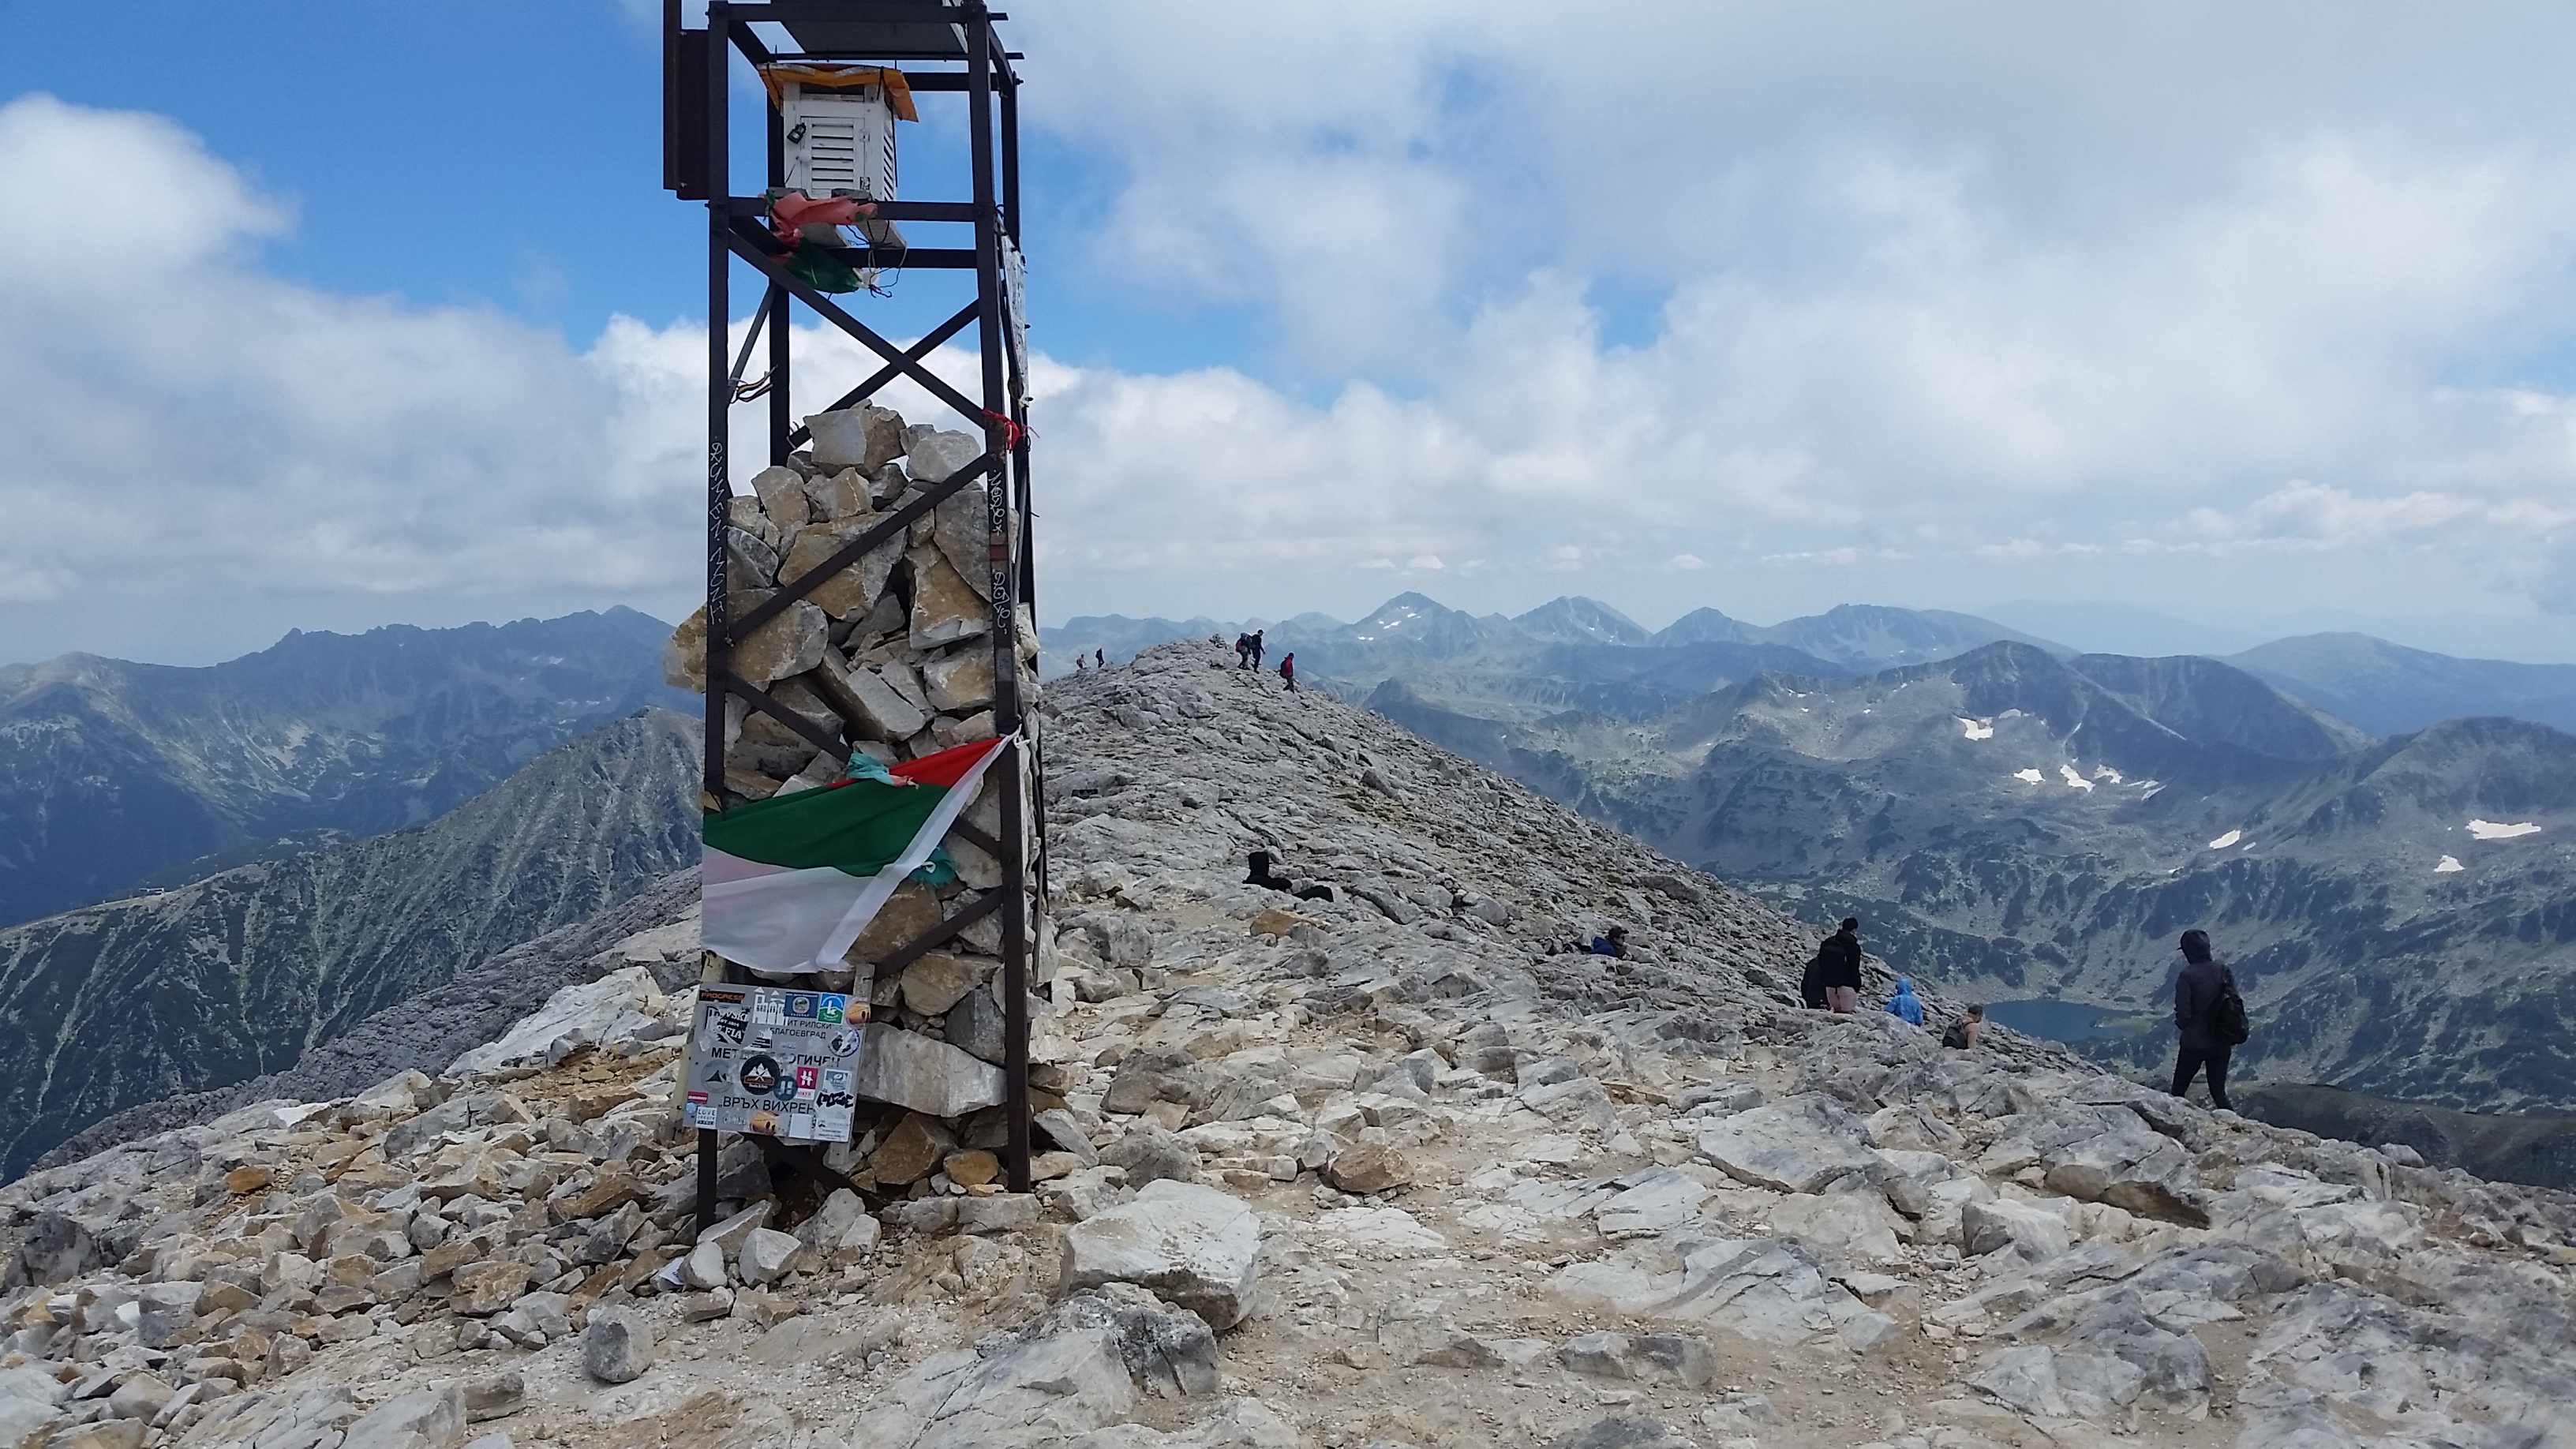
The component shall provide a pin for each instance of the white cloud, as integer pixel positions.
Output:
(1943, 306)
(192, 439)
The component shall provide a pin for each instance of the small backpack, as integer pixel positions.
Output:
(2227, 1015)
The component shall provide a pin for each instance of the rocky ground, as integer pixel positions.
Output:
(1373, 1170)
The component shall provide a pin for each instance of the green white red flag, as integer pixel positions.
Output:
(792, 880)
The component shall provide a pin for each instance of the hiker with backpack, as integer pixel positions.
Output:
(2210, 1017)
(1961, 1035)
(1836, 970)
(1287, 668)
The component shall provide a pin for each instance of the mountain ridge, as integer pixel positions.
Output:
(2016, 825)
(238, 974)
(113, 772)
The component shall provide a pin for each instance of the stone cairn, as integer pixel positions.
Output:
(894, 653)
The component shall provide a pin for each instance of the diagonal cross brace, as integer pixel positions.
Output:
(832, 312)
(919, 946)
(858, 548)
(760, 699)
(937, 339)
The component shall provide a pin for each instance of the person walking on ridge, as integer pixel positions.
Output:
(2208, 1015)
(1838, 968)
(1287, 668)
(1243, 651)
(1256, 647)
(1100, 658)
(1905, 1006)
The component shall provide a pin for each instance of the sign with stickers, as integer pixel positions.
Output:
(779, 1063)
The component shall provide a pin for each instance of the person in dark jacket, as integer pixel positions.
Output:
(1266, 878)
(1838, 967)
(2196, 1019)
(1613, 942)
(1256, 647)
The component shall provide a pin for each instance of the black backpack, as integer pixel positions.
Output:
(2227, 1014)
(1956, 1034)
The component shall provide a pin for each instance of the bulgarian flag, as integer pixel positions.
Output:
(790, 881)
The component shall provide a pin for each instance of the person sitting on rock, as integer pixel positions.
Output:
(1905, 1006)
(1961, 1035)
(1262, 875)
(1613, 942)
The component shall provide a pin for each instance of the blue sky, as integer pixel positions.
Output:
(378, 313)
(509, 155)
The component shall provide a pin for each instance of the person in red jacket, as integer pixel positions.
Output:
(1288, 670)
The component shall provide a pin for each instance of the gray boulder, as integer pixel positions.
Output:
(1191, 1246)
(1170, 1352)
(932, 1078)
(432, 1418)
(617, 1346)
(1150, 1154)
(1804, 1144)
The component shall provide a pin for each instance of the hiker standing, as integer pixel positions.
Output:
(1100, 658)
(1287, 667)
(1256, 648)
(1243, 651)
(2204, 1000)
(1838, 967)
(1905, 1006)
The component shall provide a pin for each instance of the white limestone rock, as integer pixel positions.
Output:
(930, 1077)
(1192, 1246)
(1804, 1144)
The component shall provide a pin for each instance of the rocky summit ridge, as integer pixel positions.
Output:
(1377, 1170)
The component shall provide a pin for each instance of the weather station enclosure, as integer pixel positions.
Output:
(839, 82)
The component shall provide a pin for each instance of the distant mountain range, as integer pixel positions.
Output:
(2389, 689)
(238, 974)
(1567, 653)
(2015, 825)
(115, 774)
(1580, 653)
(2382, 838)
